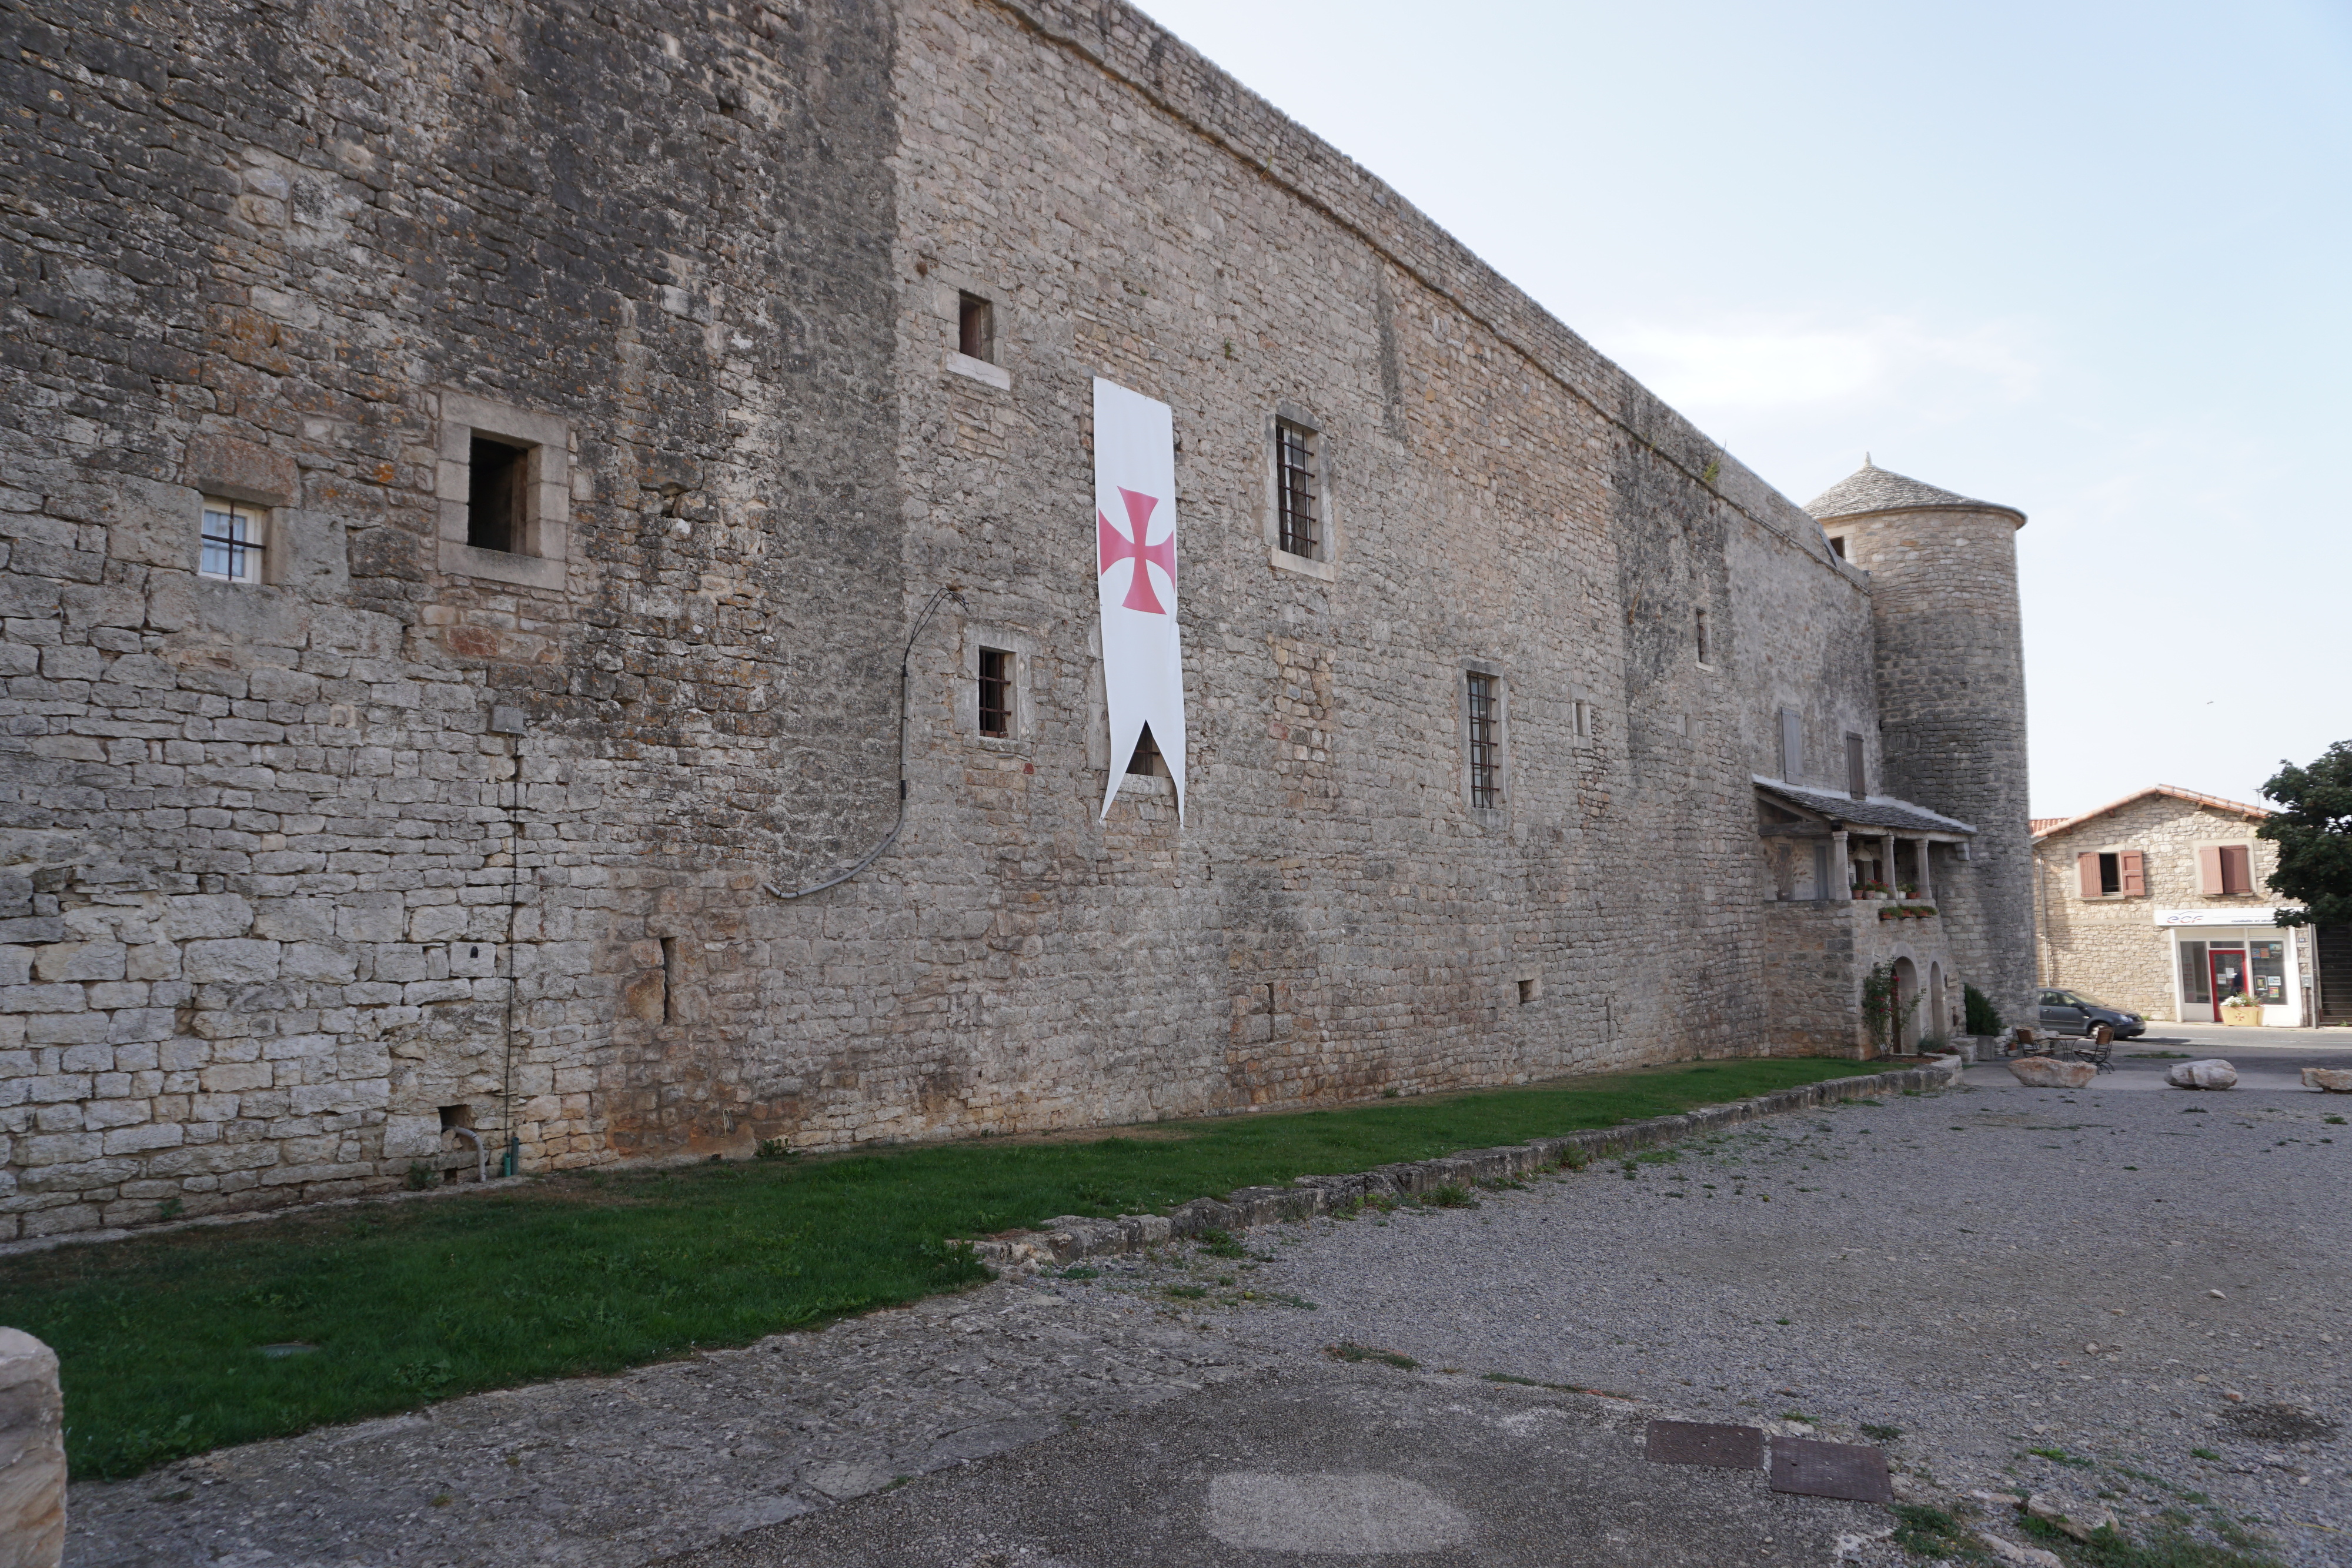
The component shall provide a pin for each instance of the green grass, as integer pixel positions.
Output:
(402, 1303)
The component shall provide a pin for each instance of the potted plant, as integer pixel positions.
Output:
(2238, 1008)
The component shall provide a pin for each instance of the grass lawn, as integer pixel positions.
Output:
(175, 1344)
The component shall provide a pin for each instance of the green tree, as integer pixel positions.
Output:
(2313, 830)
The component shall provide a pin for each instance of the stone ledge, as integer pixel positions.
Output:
(1072, 1237)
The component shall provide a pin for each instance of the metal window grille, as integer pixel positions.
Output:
(995, 692)
(1293, 460)
(1485, 753)
(232, 542)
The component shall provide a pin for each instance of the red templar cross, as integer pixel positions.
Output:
(1116, 546)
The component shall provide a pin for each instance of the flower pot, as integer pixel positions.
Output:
(2251, 1014)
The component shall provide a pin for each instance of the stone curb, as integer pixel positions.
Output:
(1072, 1237)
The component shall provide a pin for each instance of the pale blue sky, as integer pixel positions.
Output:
(2088, 259)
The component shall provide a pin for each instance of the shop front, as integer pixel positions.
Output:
(2221, 956)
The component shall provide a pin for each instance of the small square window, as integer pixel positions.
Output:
(975, 329)
(1837, 546)
(1297, 525)
(996, 692)
(498, 495)
(1146, 758)
(235, 541)
(1529, 990)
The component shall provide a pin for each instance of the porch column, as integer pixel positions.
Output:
(1927, 877)
(1894, 871)
(1840, 868)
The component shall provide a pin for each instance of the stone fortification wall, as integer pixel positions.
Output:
(268, 868)
(297, 868)
(1951, 690)
(2111, 946)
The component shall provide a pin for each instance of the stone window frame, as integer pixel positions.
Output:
(547, 527)
(1505, 781)
(1582, 716)
(949, 291)
(1324, 564)
(2254, 866)
(979, 634)
(2123, 874)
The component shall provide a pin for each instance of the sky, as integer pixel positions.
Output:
(2090, 260)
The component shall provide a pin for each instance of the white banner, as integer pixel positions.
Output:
(1135, 572)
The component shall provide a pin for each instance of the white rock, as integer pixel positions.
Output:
(2048, 1073)
(2021, 1556)
(2335, 1079)
(2078, 1519)
(2211, 1073)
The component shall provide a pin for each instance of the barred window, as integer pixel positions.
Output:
(995, 692)
(1294, 488)
(234, 536)
(1486, 750)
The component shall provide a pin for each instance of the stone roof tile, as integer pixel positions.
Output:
(1871, 488)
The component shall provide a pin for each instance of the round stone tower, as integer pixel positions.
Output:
(1951, 700)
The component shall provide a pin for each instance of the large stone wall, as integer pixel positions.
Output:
(270, 868)
(2111, 946)
(295, 867)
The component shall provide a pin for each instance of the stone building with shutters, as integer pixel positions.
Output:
(548, 600)
(2159, 903)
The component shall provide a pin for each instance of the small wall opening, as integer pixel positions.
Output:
(496, 509)
(669, 979)
(1529, 990)
(975, 329)
(457, 1117)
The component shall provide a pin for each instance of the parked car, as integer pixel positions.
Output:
(2071, 1012)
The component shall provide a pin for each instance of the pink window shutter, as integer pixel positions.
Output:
(2209, 870)
(2087, 868)
(2135, 870)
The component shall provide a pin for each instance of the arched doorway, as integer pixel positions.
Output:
(1906, 1033)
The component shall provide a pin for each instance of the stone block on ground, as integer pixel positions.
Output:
(2075, 1517)
(32, 1454)
(2335, 1079)
(2017, 1556)
(2211, 1073)
(2048, 1073)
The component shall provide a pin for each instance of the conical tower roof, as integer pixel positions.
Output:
(1871, 488)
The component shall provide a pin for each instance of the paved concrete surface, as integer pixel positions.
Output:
(1317, 1465)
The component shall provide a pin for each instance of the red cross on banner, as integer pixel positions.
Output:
(1113, 547)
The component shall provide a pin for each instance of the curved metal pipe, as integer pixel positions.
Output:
(952, 590)
(481, 1153)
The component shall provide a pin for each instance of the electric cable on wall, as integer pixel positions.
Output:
(951, 590)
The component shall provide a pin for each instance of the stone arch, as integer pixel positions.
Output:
(1906, 1033)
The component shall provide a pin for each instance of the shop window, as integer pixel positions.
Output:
(2118, 874)
(2196, 979)
(2267, 960)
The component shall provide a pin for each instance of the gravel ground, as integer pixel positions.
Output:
(1944, 1266)
(1940, 1265)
